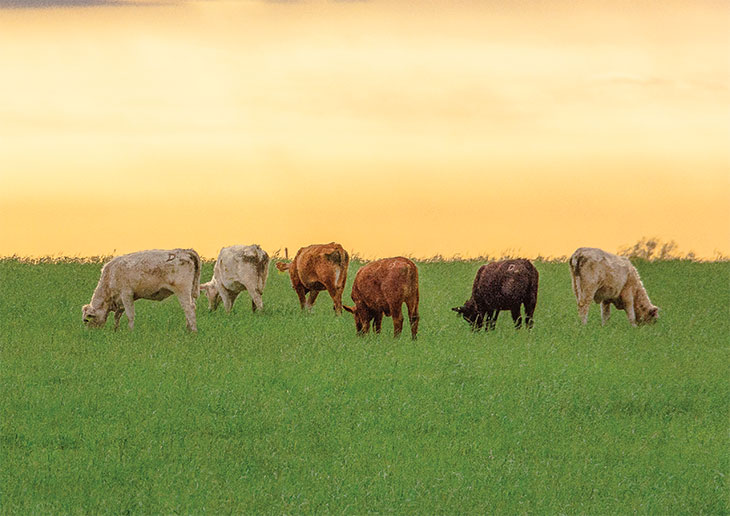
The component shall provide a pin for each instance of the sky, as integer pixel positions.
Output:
(436, 127)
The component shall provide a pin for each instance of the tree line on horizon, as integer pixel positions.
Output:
(651, 249)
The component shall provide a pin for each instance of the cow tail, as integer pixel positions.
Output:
(195, 258)
(344, 264)
(575, 262)
(411, 295)
(263, 264)
(414, 279)
(338, 257)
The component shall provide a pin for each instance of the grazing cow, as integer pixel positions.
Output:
(238, 268)
(380, 288)
(315, 268)
(503, 285)
(607, 278)
(154, 275)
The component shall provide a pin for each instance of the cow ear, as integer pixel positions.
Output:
(457, 309)
(349, 309)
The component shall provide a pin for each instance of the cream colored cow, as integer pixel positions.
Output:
(609, 279)
(154, 274)
(238, 268)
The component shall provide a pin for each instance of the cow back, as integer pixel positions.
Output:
(242, 266)
(503, 284)
(385, 283)
(145, 271)
(320, 264)
(600, 271)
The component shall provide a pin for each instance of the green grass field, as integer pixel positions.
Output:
(284, 412)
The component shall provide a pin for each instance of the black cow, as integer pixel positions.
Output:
(503, 285)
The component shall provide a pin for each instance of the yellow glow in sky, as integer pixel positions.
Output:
(442, 127)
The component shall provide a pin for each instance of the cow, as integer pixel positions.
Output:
(380, 288)
(155, 274)
(606, 278)
(238, 268)
(501, 285)
(315, 268)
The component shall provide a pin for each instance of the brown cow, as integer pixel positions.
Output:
(315, 268)
(380, 288)
(608, 279)
(502, 285)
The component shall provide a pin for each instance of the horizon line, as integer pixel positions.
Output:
(355, 256)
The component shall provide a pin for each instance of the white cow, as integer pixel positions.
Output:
(238, 268)
(155, 275)
(607, 278)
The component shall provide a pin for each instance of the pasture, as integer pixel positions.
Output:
(284, 412)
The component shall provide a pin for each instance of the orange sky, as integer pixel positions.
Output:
(420, 128)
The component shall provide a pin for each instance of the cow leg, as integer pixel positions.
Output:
(234, 296)
(529, 312)
(312, 298)
(301, 293)
(585, 298)
(631, 314)
(397, 313)
(128, 303)
(188, 306)
(336, 295)
(413, 317)
(226, 297)
(256, 302)
(605, 312)
(117, 316)
(377, 321)
(491, 320)
(363, 323)
(628, 301)
(517, 317)
(530, 308)
(216, 300)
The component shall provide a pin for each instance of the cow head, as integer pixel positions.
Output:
(649, 316)
(94, 317)
(469, 313)
(211, 292)
(362, 317)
